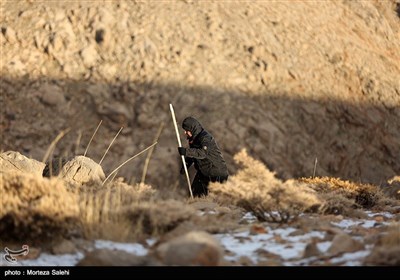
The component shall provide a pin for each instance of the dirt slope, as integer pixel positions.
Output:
(289, 81)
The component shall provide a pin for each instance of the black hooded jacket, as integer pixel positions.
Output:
(204, 151)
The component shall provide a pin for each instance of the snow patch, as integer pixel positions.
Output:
(132, 248)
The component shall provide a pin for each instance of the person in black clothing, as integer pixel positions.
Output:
(204, 153)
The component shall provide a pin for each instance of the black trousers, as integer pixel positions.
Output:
(200, 183)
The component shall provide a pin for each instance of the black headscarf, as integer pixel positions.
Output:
(192, 125)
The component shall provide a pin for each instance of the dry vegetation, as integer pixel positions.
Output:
(256, 189)
(35, 208)
(41, 209)
(340, 195)
(296, 80)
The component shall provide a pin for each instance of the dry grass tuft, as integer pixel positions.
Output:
(256, 189)
(35, 208)
(122, 212)
(392, 188)
(154, 218)
(336, 204)
(102, 209)
(353, 194)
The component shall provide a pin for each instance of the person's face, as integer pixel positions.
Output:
(188, 133)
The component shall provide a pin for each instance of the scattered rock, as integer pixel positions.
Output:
(379, 218)
(311, 250)
(105, 257)
(52, 95)
(34, 253)
(64, 247)
(203, 205)
(89, 56)
(384, 256)
(10, 34)
(222, 210)
(245, 261)
(343, 243)
(297, 232)
(267, 254)
(82, 244)
(257, 229)
(193, 248)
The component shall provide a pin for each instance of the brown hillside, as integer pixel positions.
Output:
(288, 81)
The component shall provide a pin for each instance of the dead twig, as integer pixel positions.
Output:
(78, 142)
(109, 146)
(147, 161)
(53, 144)
(125, 162)
(315, 167)
(87, 148)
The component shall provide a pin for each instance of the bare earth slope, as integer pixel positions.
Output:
(288, 81)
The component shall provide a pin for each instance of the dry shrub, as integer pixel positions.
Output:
(394, 179)
(102, 208)
(256, 189)
(35, 208)
(361, 195)
(122, 212)
(158, 217)
(335, 204)
(392, 188)
(39, 208)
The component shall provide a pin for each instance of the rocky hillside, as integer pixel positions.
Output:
(288, 81)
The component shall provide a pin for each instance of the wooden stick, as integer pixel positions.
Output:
(53, 144)
(315, 167)
(109, 146)
(146, 163)
(122, 164)
(78, 141)
(180, 145)
(87, 148)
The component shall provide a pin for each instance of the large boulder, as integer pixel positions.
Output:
(343, 243)
(106, 257)
(11, 161)
(193, 248)
(81, 170)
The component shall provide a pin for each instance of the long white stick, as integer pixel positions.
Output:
(180, 145)
(109, 146)
(87, 148)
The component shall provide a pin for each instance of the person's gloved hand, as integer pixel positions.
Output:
(182, 151)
